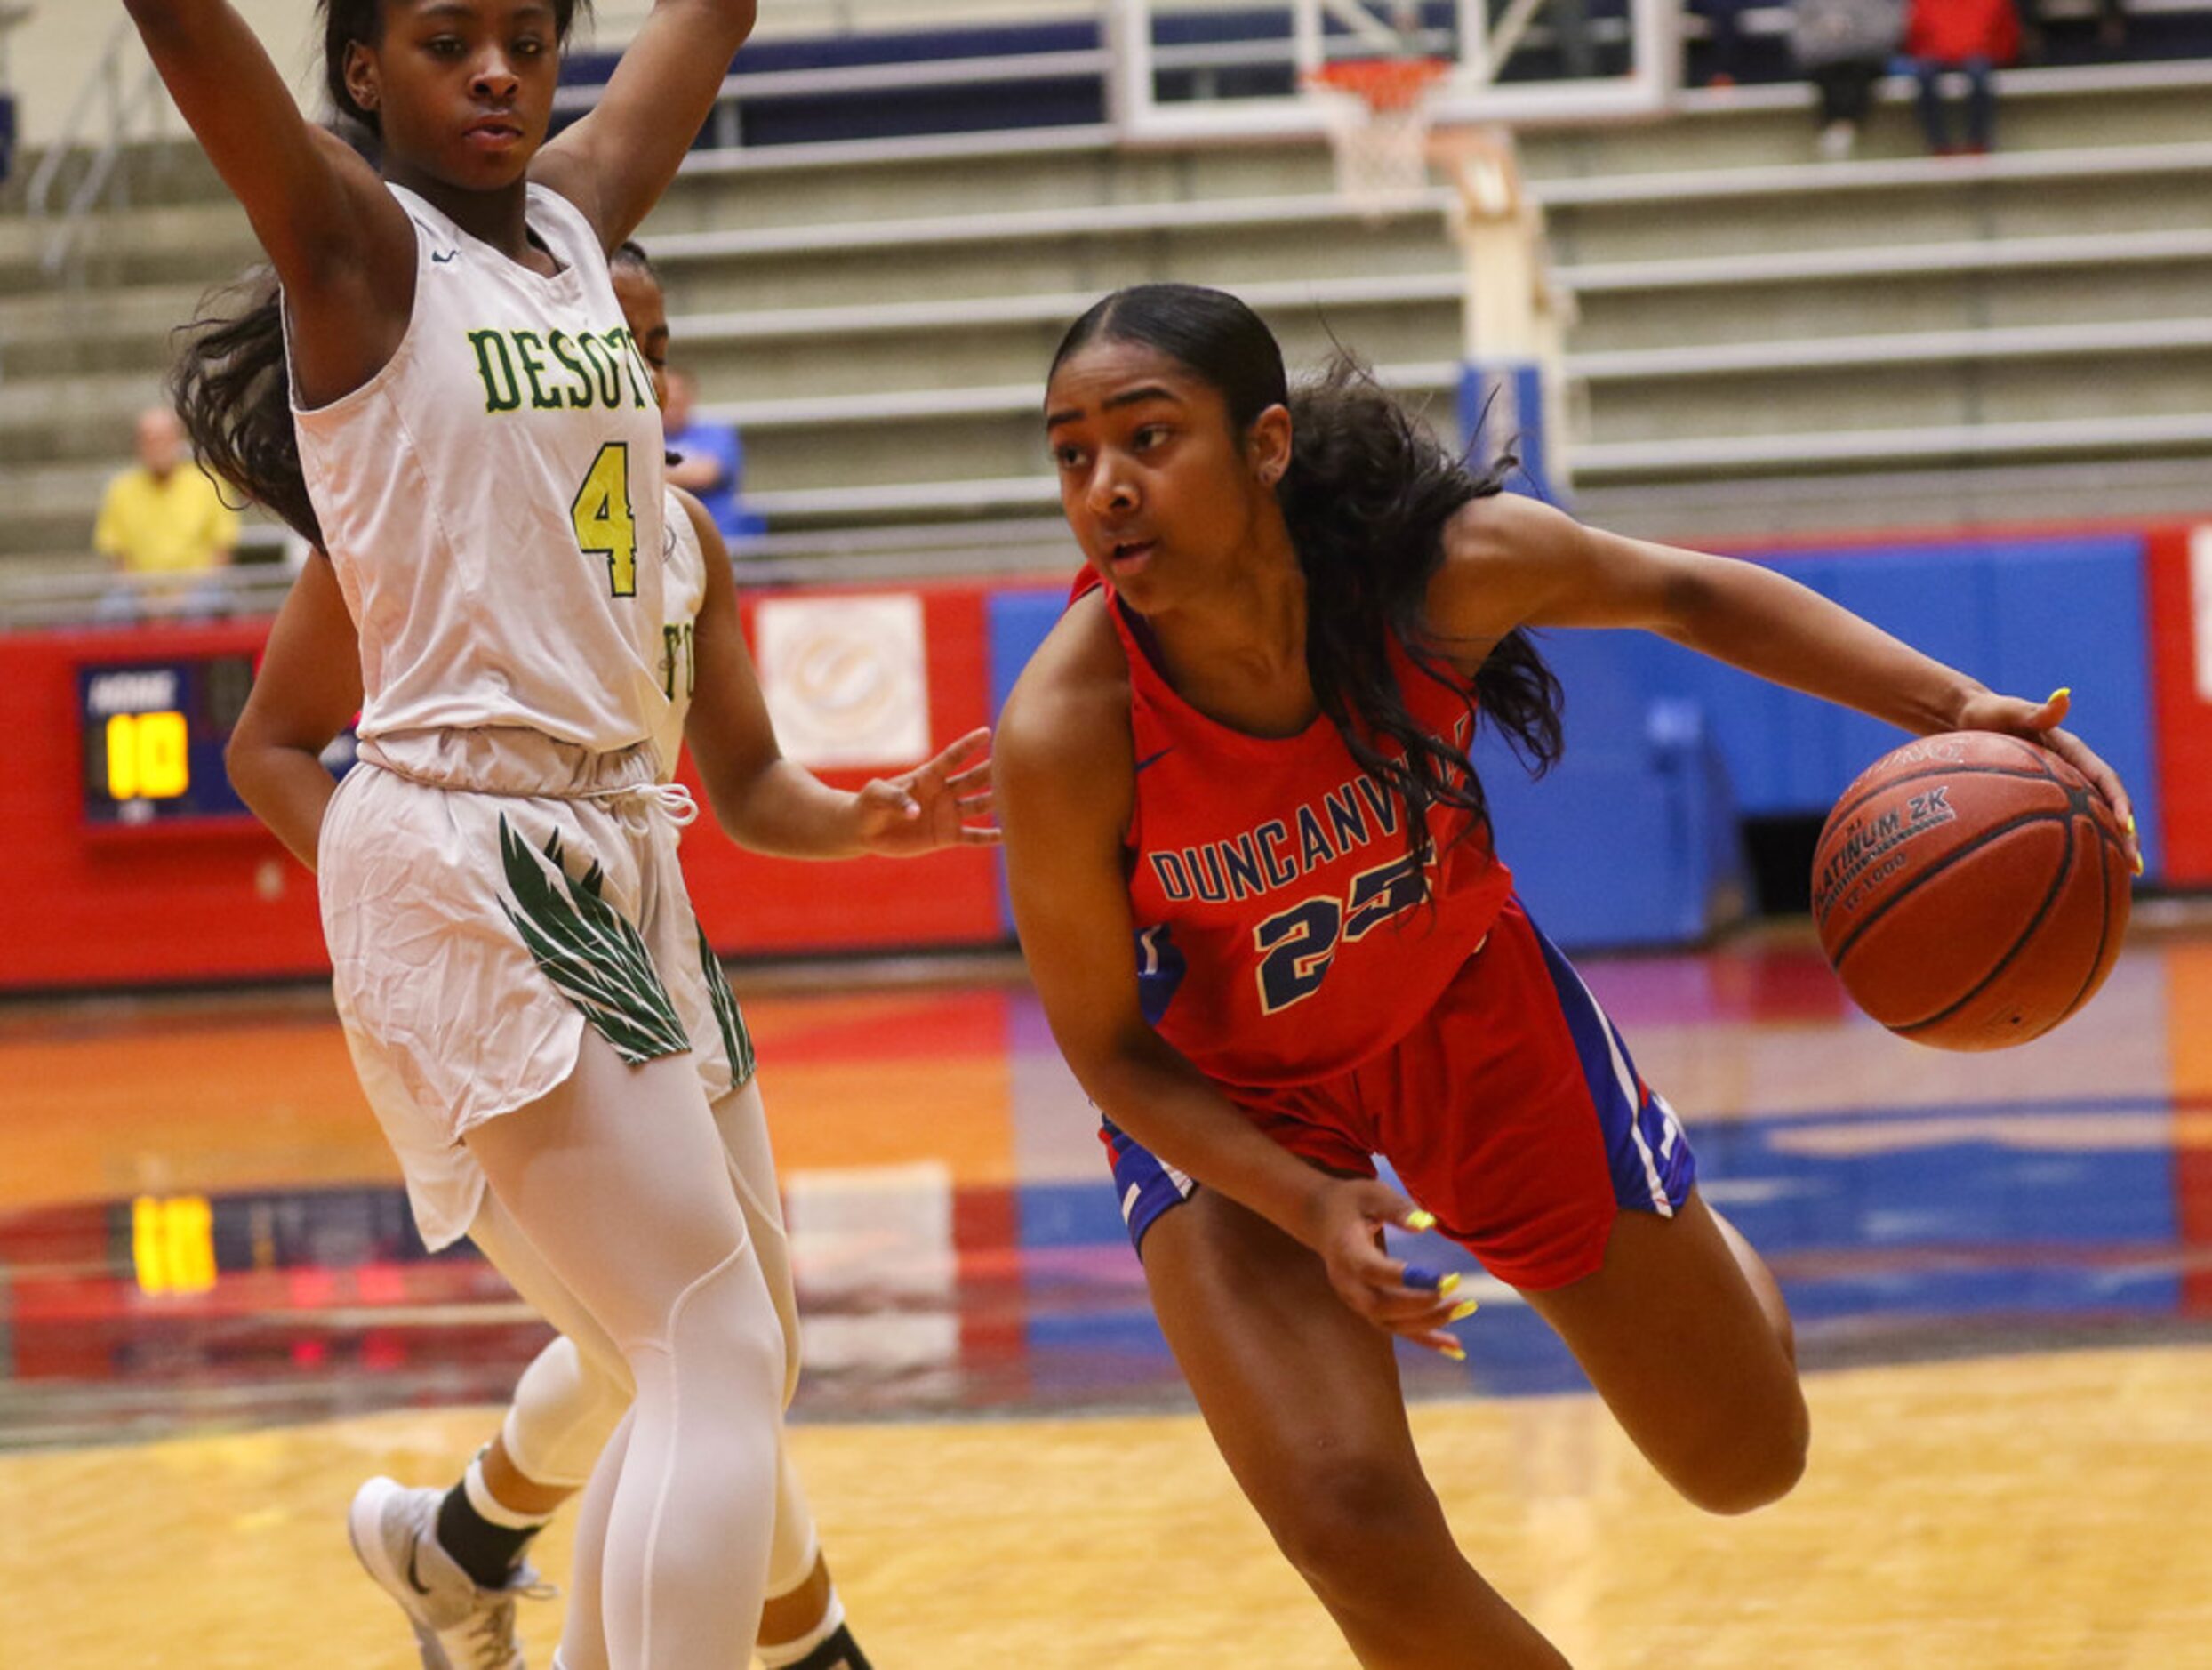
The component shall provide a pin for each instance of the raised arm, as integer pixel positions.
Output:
(339, 241)
(308, 690)
(1513, 562)
(772, 805)
(615, 163)
(1066, 782)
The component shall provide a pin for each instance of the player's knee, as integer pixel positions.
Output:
(726, 1324)
(566, 1408)
(1346, 1522)
(1755, 1467)
(751, 1332)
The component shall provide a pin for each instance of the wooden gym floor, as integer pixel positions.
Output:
(214, 1322)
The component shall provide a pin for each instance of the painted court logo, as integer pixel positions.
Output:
(1873, 849)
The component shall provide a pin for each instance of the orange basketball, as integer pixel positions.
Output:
(1971, 890)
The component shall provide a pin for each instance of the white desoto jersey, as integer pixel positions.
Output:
(492, 499)
(683, 593)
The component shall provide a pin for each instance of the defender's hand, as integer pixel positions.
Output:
(946, 802)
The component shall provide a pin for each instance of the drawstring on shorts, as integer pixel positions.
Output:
(672, 798)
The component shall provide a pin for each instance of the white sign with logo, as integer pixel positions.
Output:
(2200, 598)
(846, 678)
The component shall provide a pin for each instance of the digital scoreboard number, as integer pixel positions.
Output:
(154, 734)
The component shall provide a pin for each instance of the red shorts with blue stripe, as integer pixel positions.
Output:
(1513, 1113)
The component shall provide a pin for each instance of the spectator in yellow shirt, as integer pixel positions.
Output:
(163, 515)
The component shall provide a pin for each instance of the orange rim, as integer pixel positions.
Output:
(1383, 83)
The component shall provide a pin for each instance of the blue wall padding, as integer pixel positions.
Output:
(1633, 839)
(1016, 623)
(1501, 409)
(2023, 617)
(2080, 616)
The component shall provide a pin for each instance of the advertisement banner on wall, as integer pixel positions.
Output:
(846, 678)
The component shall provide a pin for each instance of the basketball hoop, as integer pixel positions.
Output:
(1378, 121)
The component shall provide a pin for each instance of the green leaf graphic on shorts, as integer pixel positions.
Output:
(735, 1037)
(590, 950)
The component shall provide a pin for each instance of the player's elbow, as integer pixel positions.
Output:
(749, 791)
(1125, 1073)
(254, 765)
(730, 799)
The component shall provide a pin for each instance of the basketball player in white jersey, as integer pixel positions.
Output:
(453, 1559)
(445, 399)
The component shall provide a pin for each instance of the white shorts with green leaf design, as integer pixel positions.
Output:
(487, 895)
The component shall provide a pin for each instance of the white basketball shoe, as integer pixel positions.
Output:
(457, 1625)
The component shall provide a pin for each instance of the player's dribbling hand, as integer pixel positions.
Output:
(2039, 722)
(1395, 1296)
(935, 805)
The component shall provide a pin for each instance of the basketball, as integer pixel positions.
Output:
(1971, 890)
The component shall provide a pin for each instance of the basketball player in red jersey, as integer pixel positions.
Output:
(1246, 749)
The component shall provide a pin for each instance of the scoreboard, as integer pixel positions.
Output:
(153, 734)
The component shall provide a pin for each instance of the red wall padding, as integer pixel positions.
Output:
(129, 908)
(752, 904)
(144, 908)
(2181, 712)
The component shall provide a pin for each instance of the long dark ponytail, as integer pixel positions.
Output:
(232, 384)
(1367, 496)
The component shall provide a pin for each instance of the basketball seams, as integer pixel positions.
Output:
(1974, 989)
(2062, 815)
(1846, 809)
(2094, 977)
(2042, 912)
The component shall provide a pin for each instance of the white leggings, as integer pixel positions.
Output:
(575, 1392)
(618, 1182)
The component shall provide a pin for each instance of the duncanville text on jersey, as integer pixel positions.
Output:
(1356, 813)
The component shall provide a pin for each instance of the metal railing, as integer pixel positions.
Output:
(99, 596)
(123, 93)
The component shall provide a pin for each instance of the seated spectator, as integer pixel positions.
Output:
(1972, 36)
(165, 523)
(1843, 46)
(708, 459)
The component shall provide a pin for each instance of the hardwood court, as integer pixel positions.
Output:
(2002, 1268)
(2015, 1512)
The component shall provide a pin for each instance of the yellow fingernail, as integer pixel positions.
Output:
(2138, 864)
(1420, 1220)
(2131, 823)
(1457, 1354)
(1465, 1309)
(1448, 1283)
(2063, 690)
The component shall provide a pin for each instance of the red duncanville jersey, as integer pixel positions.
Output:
(1281, 935)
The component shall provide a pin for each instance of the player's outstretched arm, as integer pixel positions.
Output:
(308, 690)
(615, 163)
(338, 241)
(1513, 562)
(771, 805)
(1066, 784)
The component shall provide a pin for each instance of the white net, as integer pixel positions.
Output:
(1381, 141)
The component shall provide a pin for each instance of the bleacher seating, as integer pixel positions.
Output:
(1765, 343)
